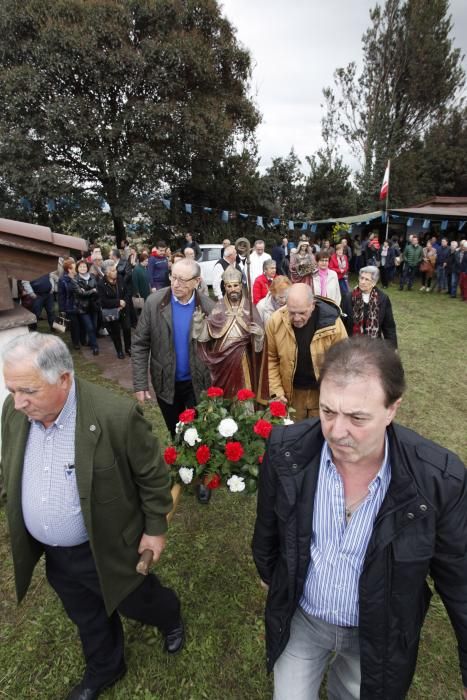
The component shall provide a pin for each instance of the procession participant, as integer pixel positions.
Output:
(230, 338)
(354, 512)
(162, 345)
(86, 486)
(368, 310)
(298, 336)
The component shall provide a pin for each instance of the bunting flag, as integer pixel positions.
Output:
(167, 203)
(291, 225)
(208, 210)
(51, 205)
(276, 221)
(188, 209)
(444, 225)
(259, 221)
(242, 215)
(304, 226)
(461, 225)
(313, 228)
(410, 221)
(426, 223)
(385, 186)
(225, 216)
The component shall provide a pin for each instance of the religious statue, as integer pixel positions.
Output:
(230, 339)
(303, 264)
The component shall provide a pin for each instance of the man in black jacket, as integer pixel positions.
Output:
(353, 514)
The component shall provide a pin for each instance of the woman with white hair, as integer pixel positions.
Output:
(368, 310)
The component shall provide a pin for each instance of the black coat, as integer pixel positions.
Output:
(421, 529)
(387, 325)
(86, 296)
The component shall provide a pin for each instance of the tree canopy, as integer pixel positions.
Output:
(118, 98)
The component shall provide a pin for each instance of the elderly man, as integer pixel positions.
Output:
(257, 259)
(162, 343)
(263, 282)
(412, 257)
(353, 514)
(190, 243)
(230, 338)
(87, 486)
(229, 259)
(367, 310)
(298, 336)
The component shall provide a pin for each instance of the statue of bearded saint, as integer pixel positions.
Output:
(230, 339)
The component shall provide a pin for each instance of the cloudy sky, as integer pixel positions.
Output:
(296, 45)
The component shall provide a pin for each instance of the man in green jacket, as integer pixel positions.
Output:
(412, 257)
(87, 487)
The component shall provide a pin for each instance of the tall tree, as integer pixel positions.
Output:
(328, 189)
(282, 187)
(123, 96)
(411, 74)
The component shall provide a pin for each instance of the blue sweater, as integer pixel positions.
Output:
(181, 323)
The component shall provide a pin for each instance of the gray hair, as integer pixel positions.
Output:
(108, 265)
(46, 352)
(371, 270)
(269, 263)
(195, 270)
(310, 297)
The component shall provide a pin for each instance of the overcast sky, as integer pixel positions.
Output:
(295, 46)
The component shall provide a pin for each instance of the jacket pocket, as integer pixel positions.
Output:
(106, 484)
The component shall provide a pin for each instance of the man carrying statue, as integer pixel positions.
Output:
(230, 338)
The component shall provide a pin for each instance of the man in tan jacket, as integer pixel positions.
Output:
(298, 336)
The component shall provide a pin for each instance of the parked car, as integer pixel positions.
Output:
(211, 252)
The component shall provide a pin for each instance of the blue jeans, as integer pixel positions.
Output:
(88, 329)
(408, 275)
(44, 301)
(441, 278)
(315, 646)
(454, 281)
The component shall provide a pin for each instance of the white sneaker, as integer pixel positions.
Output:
(422, 289)
(103, 332)
(428, 289)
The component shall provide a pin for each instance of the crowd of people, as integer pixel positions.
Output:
(353, 510)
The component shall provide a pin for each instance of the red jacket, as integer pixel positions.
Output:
(260, 288)
(334, 265)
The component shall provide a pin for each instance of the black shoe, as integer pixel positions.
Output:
(120, 355)
(175, 639)
(95, 351)
(76, 347)
(128, 352)
(84, 692)
(203, 494)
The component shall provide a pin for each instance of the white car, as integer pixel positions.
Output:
(211, 252)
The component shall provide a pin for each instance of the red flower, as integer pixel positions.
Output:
(203, 454)
(260, 459)
(170, 455)
(187, 416)
(245, 394)
(215, 482)
(262, 428)
(214, 392)
(234, 451)
(278, 409)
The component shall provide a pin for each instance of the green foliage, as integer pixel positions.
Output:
(411, 75)
(328, 190)
(281, 188)
(122, 98)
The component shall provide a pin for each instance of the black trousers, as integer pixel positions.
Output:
(184, 398)
(72, 574)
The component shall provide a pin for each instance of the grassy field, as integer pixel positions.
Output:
(208, 562)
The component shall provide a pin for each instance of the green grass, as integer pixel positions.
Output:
(208, 562)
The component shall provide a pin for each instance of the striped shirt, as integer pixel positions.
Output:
(338, 547)
(50, 498)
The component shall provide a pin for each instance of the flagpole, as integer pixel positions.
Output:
(387, 201)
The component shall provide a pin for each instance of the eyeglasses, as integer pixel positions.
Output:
(181, 280)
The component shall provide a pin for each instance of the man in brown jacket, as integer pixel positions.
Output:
(298, 336)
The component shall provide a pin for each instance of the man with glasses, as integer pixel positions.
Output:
(163, 344)
(367, 310)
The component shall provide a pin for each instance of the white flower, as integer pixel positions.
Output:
(227, 427)
(186, 474)
(191, 436)
(287, 421)
(236, 483)
(179, 427)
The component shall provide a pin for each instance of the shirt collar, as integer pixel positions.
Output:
(384, 473)
(174, 298)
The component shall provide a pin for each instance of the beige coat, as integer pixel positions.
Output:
(282, 346)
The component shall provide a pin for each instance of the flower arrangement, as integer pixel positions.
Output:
(223, 440)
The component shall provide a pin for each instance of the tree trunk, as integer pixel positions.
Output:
(119, 228)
